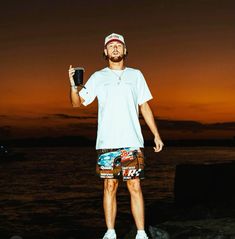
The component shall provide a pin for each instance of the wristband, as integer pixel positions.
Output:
(74, 87)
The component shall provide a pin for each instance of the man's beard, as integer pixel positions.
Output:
(116, 58)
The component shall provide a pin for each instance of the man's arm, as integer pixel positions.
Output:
(76, 100)
(149, 119)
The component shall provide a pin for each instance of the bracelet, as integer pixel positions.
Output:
(74, 87)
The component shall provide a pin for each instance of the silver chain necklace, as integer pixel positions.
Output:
(119, 76)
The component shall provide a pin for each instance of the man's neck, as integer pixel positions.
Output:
(116, 65)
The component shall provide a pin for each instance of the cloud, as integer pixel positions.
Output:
(222, 126)
(5, 131)
(79, 125)
(193, 126)
(180, 125)
(201, 107)
(69, 124)
(67, 116)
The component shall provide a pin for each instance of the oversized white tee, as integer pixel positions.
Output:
(119, 93)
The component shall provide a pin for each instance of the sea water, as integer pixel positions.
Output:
(54, 192)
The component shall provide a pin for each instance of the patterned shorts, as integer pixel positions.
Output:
(125, 162)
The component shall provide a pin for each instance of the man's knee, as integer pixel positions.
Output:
(134, 186)
(110, 185)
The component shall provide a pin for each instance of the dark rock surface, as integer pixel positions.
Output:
(199, 221)
(203, 207)
(204, 183)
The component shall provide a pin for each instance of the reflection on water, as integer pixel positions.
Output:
(54, 192)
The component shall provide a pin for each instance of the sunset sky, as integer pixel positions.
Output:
(185, 49)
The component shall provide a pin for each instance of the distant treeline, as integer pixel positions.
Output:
(74, 141)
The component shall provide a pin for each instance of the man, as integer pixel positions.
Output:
(121, 92)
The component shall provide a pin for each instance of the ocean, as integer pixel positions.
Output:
(54, 192)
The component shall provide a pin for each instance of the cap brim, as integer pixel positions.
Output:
(114, 40)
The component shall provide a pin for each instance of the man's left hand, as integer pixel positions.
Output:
(159, 144)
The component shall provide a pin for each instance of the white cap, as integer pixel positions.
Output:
(114, 37)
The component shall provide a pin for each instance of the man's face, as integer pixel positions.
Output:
(115, 51)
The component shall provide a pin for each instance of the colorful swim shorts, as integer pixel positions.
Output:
(125, 162)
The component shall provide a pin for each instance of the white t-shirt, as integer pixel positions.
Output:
(119, 94)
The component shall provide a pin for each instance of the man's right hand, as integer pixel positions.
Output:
(76, 100)
(71, 73)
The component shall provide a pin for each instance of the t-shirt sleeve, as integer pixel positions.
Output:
(89, 92)
(144, 93)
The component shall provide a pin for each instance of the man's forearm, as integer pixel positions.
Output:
(149, 119)
(74, 97)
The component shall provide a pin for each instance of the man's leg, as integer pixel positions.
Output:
(110, 202)
(137, 202)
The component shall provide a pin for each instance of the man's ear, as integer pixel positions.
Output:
(125, 51)
(105, 52)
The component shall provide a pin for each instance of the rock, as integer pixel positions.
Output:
(215, 221)
(203, 207)
(16, 237)
(204, 183)
(157, 233)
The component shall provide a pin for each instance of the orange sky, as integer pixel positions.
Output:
(186, 51)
